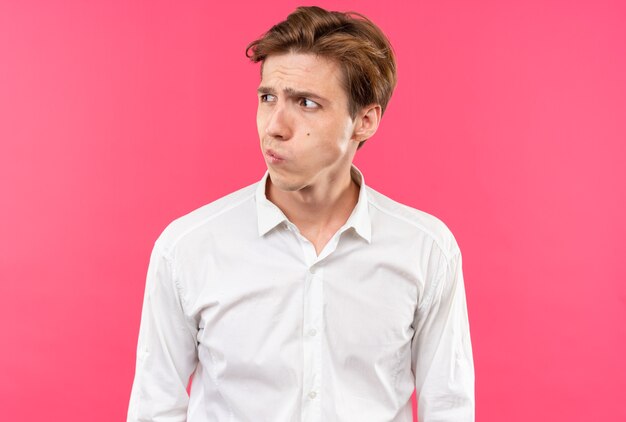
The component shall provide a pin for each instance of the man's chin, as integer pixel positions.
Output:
(283, 183)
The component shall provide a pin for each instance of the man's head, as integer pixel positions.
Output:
(359, 47)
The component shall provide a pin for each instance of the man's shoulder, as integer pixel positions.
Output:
(215, 212)
(412, 220)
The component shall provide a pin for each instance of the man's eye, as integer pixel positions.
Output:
(308, 103)
(267, 98)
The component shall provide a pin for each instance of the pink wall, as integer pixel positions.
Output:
(509, 123)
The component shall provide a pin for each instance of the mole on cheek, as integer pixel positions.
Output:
(308, 134)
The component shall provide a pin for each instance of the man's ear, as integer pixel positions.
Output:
(367, 123)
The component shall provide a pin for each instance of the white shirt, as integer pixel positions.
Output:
(272, 332)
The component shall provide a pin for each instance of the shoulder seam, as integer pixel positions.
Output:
(447, 254)
(175, 241)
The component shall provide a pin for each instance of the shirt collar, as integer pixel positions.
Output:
(270, 216)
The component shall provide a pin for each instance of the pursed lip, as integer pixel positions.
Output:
(273, 155)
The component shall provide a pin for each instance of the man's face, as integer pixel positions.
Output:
(305, 129)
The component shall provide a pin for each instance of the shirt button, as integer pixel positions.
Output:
(312, 394)
(312, 332)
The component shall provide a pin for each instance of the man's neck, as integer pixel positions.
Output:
(318, 210)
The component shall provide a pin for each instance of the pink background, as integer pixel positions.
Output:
(509, 123)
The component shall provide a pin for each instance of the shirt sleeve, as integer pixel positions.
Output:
(442, 352)
(166, 350)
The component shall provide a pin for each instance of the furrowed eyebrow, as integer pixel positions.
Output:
(265, 90)
(292, 93)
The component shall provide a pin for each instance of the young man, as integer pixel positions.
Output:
(308, 296)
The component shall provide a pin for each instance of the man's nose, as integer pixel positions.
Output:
(279, 123)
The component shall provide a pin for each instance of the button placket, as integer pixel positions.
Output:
(312, 344)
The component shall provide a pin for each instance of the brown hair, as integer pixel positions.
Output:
(360, 47)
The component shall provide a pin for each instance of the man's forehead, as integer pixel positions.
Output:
(300, 72)
(302, 67)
